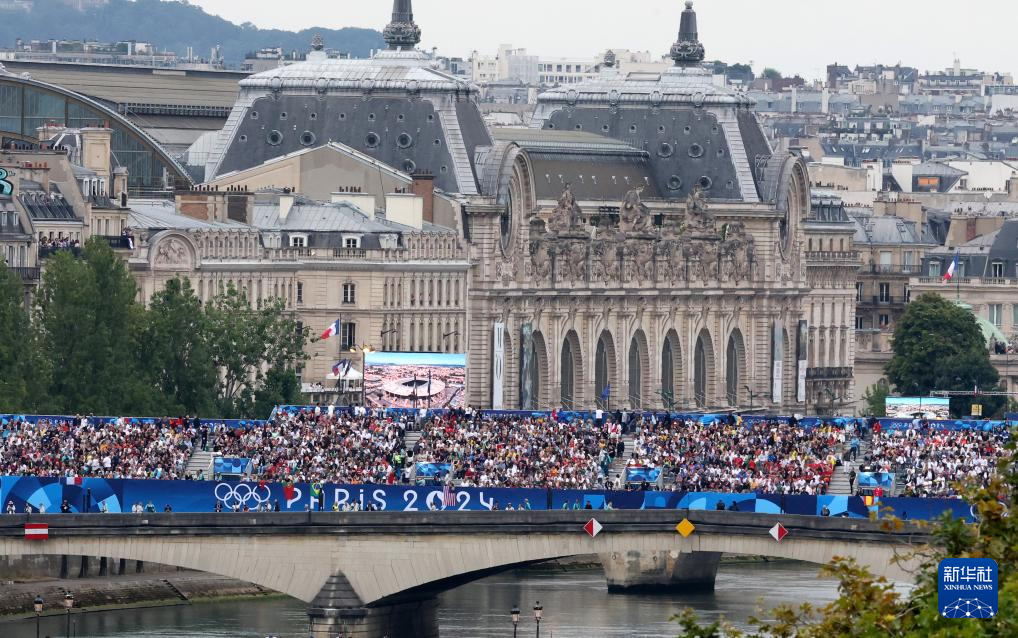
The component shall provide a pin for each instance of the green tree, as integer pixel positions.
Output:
(176, 352)
(21, 370)
(875, 398)
(771, 74)
(88, 320)
(246, 344)
(870, 607)
(938, 346)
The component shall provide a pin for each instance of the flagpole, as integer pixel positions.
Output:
(958, 277)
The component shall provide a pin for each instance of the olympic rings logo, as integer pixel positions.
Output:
(240, 494)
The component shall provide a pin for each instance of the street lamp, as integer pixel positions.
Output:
(538, 613)
(515, 613)
(38, 612)
(365, 350)
(68, 605)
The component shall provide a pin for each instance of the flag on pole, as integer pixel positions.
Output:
(949, 275)
(606, 393)
(340, 369)
(332, 330)
(448, 496)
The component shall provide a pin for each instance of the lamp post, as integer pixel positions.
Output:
(515, 613)
(365, 350)
(38, 613)
(538, 614)
(68, 605)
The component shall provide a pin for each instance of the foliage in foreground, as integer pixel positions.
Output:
(89, 346)
(869, 607)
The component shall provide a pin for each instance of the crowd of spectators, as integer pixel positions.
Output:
(730, 456)
(86, 447)
(313, 446)
(520, 451)
(513, 451)
(930, 462)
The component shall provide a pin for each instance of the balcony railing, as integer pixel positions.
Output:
(27, 273)
(49, 251)
(829, 374)
(881, 300)
(971, 281)
(888, 269)
(838, 256)
(116, 242)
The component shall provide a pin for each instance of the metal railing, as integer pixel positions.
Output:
(27, 273)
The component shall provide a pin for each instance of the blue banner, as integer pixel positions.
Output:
(433, 470)
(233, 466)
(118, 496)
(871, 480)
(642, 475)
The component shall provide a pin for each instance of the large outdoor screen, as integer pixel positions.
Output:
(415, 380)
(909, 407)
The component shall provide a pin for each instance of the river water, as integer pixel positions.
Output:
(576, 605)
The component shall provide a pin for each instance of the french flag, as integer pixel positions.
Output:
(36, 532)
(341, 368)
(72, 480)
(949, 275)
(332, 330)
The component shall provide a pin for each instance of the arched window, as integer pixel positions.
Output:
(567, 378)
(635, 375)
(601, 388)
(700, 374)
(732, 372)
(668, 374)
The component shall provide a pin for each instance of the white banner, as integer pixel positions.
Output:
(777, 356)
(498, 368)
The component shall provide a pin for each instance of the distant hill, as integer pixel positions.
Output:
(170, 25)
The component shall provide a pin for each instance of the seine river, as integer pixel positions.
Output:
(576, 605)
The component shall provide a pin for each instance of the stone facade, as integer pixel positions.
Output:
(679, 312)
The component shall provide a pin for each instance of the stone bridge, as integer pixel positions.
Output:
(376, 573)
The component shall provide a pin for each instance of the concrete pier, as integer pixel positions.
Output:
(660, 572)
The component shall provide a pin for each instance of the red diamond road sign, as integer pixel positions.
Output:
(779, 532)
(593, 528)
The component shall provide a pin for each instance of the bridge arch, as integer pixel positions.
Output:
(385, 558)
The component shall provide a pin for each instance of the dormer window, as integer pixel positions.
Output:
(298, 241)
(351, 241)
(997, 270)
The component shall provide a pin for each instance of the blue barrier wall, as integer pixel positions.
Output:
(202, 496)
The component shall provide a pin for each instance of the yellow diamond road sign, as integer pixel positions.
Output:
(685, 528)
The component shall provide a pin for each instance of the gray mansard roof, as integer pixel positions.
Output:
(695, 134)
(396, 107)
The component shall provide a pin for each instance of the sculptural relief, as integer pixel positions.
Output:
(571, 261)
(540, 261)
(634, 216)
(606, 260)
(172, 253)
(566, 216)
(698, 216)
(642, 254)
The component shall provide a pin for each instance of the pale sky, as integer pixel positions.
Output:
(794, 36)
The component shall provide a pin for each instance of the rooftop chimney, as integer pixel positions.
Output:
(285, 206)
(423, 186)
